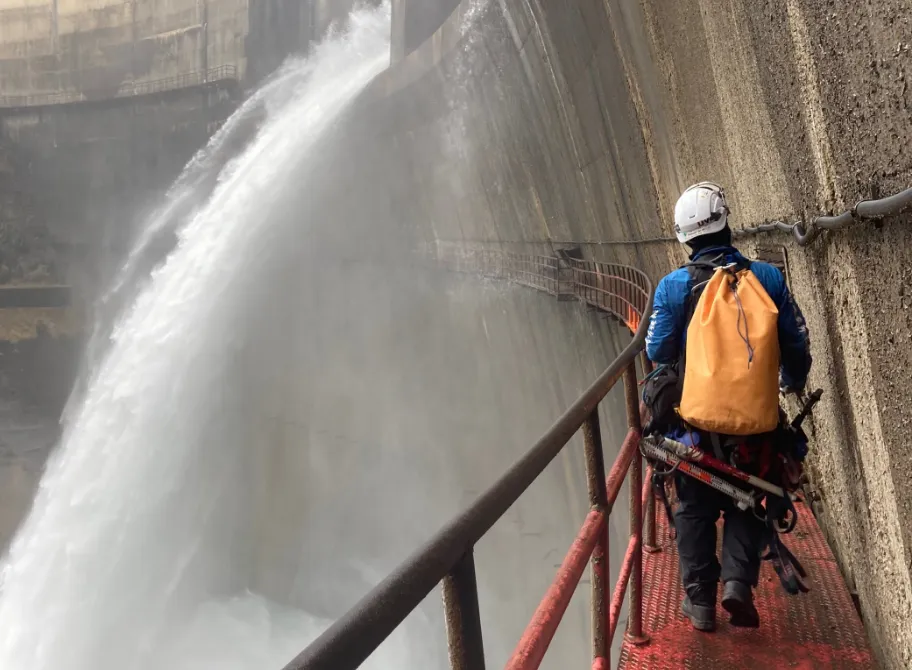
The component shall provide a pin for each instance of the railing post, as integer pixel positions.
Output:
(635, 483)
(650, 546)
(598, 499)
(463, 619)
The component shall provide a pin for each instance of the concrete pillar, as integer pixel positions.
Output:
(414, 21)
(397, 38)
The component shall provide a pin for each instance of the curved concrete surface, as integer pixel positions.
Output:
(389, 399)
(527, 125)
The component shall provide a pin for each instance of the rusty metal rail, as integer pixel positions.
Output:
(538, 272)
(447, 558)
(535, 271)
(618, 289)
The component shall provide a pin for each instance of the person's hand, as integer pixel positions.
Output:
(786, 387)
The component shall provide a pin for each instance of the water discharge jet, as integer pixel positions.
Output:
(124, 559)
(288, 409)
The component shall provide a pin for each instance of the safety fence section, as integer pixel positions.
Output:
(619, 290)
(538, 272)
(128, 89)
(535, 271)
(448, 557)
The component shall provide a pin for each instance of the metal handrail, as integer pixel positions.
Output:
(622, 301)
(447, 557)
(535, 271)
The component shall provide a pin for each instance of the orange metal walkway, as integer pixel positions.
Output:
(820, 629)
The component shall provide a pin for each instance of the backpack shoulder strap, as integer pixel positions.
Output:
(700, 272)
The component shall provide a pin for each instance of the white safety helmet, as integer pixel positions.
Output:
(701, 210)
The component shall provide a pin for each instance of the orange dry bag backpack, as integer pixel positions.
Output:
(731, 358)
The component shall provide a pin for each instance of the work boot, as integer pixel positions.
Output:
(738, 600)
(700, 606)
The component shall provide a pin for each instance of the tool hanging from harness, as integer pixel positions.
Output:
(793, 438)
(779, 513)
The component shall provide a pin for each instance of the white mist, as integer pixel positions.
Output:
(133, 555)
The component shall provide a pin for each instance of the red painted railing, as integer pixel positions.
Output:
(626, 294)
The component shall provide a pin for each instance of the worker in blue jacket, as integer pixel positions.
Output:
(701, 222)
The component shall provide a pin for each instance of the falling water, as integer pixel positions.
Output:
(190, 191)
(133, 556)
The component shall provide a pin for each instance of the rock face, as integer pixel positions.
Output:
(525, 125)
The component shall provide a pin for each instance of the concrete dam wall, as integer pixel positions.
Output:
(532, 126)
(389, 399)
(380, 398)
(56, 50)
(523, 126)
(102, 103)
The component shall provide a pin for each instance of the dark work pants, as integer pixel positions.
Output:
(743, 536)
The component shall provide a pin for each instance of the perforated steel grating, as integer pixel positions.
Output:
(817, 630)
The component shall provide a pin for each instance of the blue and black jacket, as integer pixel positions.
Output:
(668, 327)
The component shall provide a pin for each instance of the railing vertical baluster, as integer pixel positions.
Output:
(635, 482)
(463, 619)
(615, 296)
(593, 296)
(598, 499)
(649, 526)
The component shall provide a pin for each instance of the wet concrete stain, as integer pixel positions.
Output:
(589, 128)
